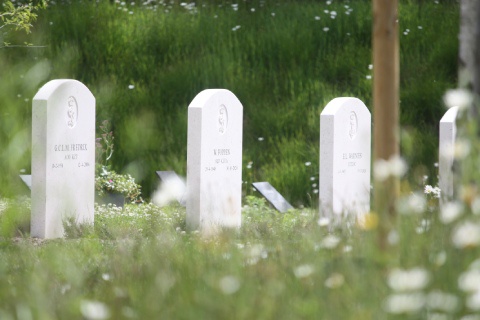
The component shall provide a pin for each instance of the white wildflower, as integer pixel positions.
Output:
(303, 271)
(172, 189)
(404, 303)
(94, 310)
(330, 242)
(467, 234)
(442, 301)
(469, 281)
(473, 301)
(229, 285)
(476, 206)
(336, 280)
(395, 166)
(408, 280)
(458, 97)
(450, 211)
(415, 203)
(323, 222)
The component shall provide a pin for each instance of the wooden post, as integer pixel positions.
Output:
(385, 106)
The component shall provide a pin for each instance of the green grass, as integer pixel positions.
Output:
(140, 263)
(284, 69)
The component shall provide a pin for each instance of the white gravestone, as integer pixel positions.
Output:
(63, 157)
(448, 132)
(214, 160)
(345, 152)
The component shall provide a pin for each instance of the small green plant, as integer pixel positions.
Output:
(109, 181)
(106, 179)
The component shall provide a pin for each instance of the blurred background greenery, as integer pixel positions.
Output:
(284, 60)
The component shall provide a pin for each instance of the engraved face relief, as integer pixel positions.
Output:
(72, 112)
(222, 119)
(353, 125)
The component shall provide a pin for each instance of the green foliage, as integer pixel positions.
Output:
(19, 17)
(146, 62)
(109, 181)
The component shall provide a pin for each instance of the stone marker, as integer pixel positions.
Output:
(214, 160)
(171, 178)
(448, 132)
(27, 179)
(272, 196)
(345, 151)
(63, 157)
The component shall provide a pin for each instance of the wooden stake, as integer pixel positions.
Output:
(385, 106)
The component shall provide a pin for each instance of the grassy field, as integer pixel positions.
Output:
(284, 60)
(139, 263)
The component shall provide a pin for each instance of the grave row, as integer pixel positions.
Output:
(63, 159)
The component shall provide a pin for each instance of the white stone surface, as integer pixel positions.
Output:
(63, 157)
(214, 160)
(448, 132)
(345, 152)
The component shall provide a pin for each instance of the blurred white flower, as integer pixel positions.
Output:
(94, 310)
(393, 237)
(229, 284)
(466, 234)
(303, 271)
(336, 280)
(469, 281)
(440, 258)
(404, 303)
(255, 253)
(458, 97)
(131, 86)
(476, 206)
(105, 276)
(408, 280)
(473, 301)
(330, 242)
(170, 190)
(462, 148)
(415, 203)
(450, 211)
(308, 163)
(323, 222)
(442, 301)
(326, 29)
(317, 18)
(395, 166)
(261, 138)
